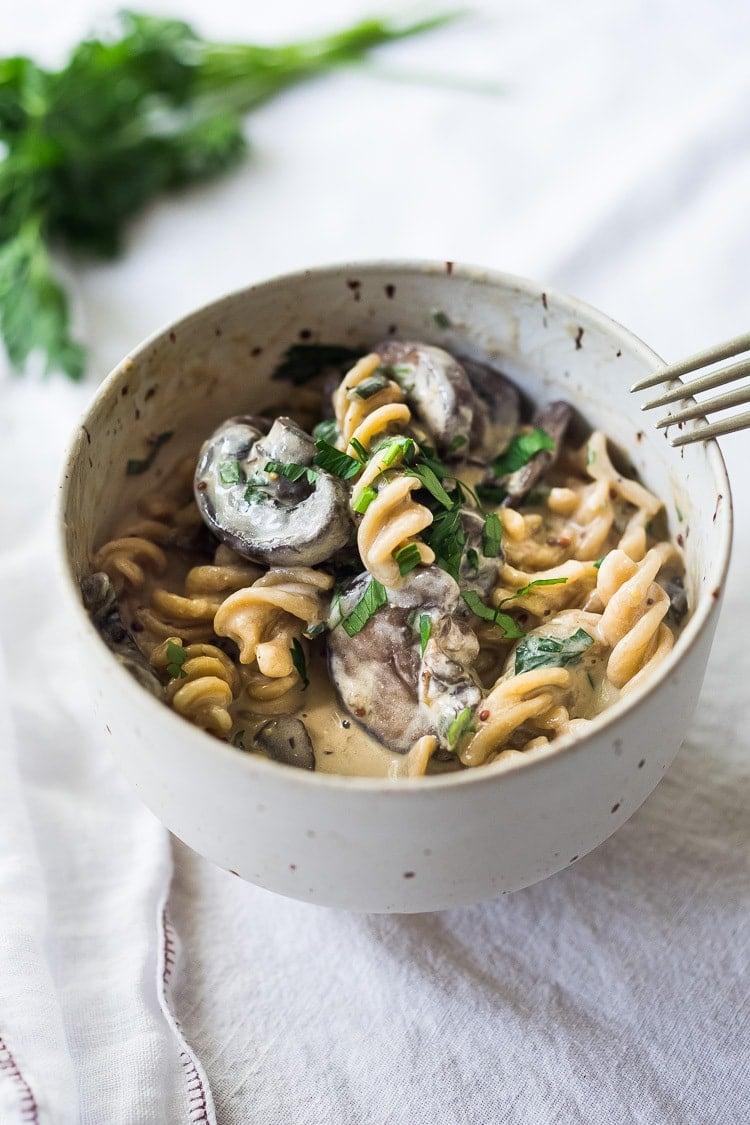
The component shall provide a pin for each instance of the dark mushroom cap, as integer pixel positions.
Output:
(383, 679)
(267, 517)
(285, 739)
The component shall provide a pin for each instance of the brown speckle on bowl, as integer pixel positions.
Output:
(88, 435)
(409, 874)
(640, 435)
(573, 859)
(642, 763)
(232, 872)
(173, 337)
(256, 351)
(449, 268)
(292, 866)
(715, 593)
(615, 807)
(617, 746)
(125, 390)
(217, 331)
(390, 292)
(305, 334)
(719, 499)
(392, 329)
(150, 393)
(579, 338)
(544, 300)
(618, 353)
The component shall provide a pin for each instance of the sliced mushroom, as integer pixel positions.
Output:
(437, 389)
(268, 517)
(285, 739)
(678, 601)
(477, 571)
(498, 410)
(554, 421)
(386, 683)
(100, 600)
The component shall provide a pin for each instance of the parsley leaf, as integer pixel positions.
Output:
(327, 429)
(492, 533)
(428, 479)
(334, 461)
(521, 449)
(365, 498)
(148, 109)
(447, 538)
(509, 626)
(472, 560)
(299, 662)
(441, 318)
(524, 590)
(407, 558)
(291, 471)
(369, 387)
(230, 472)
(461, 725)
(549, 652)
(238, 739)
(425, 631)
(176, 655)
(374, 597)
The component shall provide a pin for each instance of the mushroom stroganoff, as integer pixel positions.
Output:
(396, 576)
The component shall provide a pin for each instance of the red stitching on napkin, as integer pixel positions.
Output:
(197, 1098)
(197, 1101)
(9, 1066)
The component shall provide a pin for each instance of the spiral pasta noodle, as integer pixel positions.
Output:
(205, 688)
(360, 419)
(635, 606)
(192, 612)
(392, 521)
(266, 618)
(128, 561)
(512, 703)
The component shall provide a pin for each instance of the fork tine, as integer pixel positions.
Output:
(698, 409)
(700, 359)
(715, 429)
(705, 383)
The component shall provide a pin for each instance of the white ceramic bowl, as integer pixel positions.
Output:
(368, 844)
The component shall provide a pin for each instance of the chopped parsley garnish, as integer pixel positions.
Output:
(599, 561)
(491, 536)
(460, 726)
(334, 461)
(590, 456)
(255, 493)
(521, 449)
(407, 558)
(291, 471)
(425, 631)
(456, 443)
(299, 662)
(176, 655)
(365, 498)
(472, 559)
(374, 597)
(303, 362)
(509, 626)
(491, 494)
(230, 472)
(327, 430)
(447, 538)
(549, 652)
(394, 449)
(392, 370)
(428, 479)
(359, 449)
(136, 465)
(238, 739)
(524, 590)
(441, 318)
(369, 387)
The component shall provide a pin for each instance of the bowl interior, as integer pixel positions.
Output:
(221, 361)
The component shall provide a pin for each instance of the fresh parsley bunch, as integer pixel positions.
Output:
(148, 110)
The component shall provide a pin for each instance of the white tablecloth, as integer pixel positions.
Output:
(140, 984)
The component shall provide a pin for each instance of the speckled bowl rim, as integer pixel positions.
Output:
(567, 745)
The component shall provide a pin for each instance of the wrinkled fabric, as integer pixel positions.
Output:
(138, 983)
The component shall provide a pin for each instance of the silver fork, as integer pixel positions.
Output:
(719, 377)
